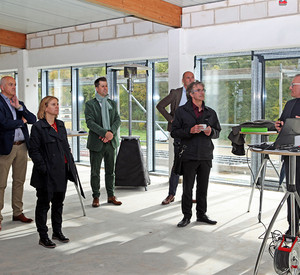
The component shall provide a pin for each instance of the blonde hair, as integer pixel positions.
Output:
(43, 105)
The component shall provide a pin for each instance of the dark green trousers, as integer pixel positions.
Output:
(109, 155)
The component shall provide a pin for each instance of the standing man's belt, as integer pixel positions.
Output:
(19, 142)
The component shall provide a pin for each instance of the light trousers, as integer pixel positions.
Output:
(17, 159)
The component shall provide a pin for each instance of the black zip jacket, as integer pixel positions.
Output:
(198, 146)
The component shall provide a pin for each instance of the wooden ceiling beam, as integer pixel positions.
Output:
(12, 39)
(153, 10)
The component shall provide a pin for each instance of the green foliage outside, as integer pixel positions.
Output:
(230, 78)
(272, 85)
(227, 80)
(60, 86)
(135, 132)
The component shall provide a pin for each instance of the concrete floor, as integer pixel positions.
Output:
(141, 236)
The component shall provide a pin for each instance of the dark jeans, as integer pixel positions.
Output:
(174, 179)
(41, 210)
(173, 183)
(191, 169)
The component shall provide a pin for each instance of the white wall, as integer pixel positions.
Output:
(118, 50)
(9, 62)
(260, 34)
(270, 33)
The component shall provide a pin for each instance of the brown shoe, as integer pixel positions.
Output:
(95, 202)
(168, 199)
(113, 200)
(0, 226)
(22, 218)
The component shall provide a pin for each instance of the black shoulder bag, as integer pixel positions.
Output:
(177, 165)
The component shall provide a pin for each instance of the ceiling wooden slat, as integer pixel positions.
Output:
(155, 10)
(12, 39)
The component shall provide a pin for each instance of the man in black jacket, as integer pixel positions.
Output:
(292, 110)
(196, 125)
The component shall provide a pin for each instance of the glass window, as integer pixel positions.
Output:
(40, 85)
(86, 91)
(161, 133)
(278, 77)
(138, 105)
(228, 91)
(59, 85)
(12, 74)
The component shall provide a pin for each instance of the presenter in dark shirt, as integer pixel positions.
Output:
(292, 110)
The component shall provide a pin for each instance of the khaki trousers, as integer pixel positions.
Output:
(17, 159)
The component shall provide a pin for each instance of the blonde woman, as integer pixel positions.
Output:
(53, 162)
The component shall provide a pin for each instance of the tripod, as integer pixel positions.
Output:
(259, 180)
(294, 197)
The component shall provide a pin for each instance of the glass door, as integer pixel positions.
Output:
(228, 91)
(278, 76)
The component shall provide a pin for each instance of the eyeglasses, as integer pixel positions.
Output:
(294, 84)
(199, 90)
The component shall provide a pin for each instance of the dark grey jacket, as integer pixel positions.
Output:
(198, 146)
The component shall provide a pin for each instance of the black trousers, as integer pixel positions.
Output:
(297, 209)
(191, 169)
(41, 210)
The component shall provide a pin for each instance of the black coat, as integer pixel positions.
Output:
(47, 150)
(198, 146)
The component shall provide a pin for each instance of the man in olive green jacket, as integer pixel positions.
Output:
(103, 121)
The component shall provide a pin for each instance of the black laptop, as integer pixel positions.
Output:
(286, 137)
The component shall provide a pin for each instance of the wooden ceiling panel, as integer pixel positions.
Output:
(155, 10)
(12, 39)
(20, 17)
